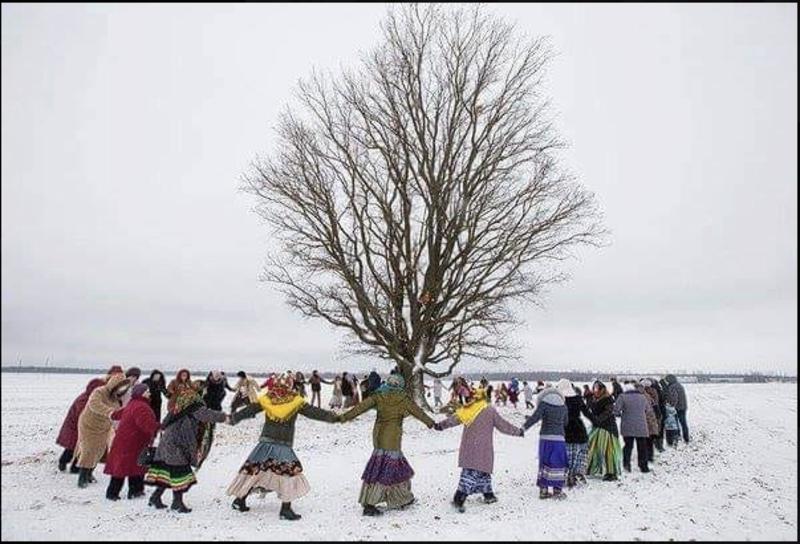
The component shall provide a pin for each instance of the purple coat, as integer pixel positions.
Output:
(477, 444)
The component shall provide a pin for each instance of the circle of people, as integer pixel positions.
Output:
(117, 420)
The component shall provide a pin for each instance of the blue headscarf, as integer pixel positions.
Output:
(393, 384)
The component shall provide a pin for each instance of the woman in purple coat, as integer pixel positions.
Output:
(476, 454)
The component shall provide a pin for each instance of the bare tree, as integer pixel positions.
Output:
(418, 197)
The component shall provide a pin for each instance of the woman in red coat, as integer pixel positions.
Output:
(68, 435)
(137, 429)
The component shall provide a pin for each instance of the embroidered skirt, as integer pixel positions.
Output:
(271, 466)
(576, 458)
(474, 481)
(386, 478)
(552, 463)
(174, 477)
(605, 453)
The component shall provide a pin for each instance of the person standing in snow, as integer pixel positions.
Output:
(315, 381)
(387, 476)
(513, 392)
(587, 394)
(575, 435)
(214, 389)
(68, 434)
(347, 390)
(94, 426)
(671, 427)
(676, 395)
(528, 393)
(374, 381)
(337, 396)
(632, 407)
(437, 392)
(616, 388)
(604, 453)
(552, 412)
(181, 447)
(246, 391)
(476, 452)
(157, 385)
(273, 464)
(137, 428)
(653, 416)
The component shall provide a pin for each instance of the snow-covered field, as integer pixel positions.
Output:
(737, 480)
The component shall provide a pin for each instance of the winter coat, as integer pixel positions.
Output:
(392, 408)
(137, 428)
(215, 393)
(68, 435)
(676, 395)
(179, 441)
(632, 407)
(347, 387)
(616, 389)
(282, 431)
(575, 432)
(157, 388)
(670, 418)
(477, 439)
(247, 388)
(374, 381)
(94, 423)
(654, 414)
(316, 382)
(551, 410)
(602, 411)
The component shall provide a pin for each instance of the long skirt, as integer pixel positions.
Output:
(386, 478)
(474, 481)
(552, 463)
(271, 466)
(576, 458)
(175, 477)
(605, 453)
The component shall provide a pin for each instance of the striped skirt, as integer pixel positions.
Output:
(576, 459)
(386, 478)
(474, 481)
(174, 477)
(605, 453)
(552, 463)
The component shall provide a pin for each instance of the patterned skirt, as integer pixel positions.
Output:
(576, 458)
(271, 466)
(552, 463)
(175, 477)
(474, 481)
(386, 478)
(605, 453)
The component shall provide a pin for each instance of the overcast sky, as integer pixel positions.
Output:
(125, 129)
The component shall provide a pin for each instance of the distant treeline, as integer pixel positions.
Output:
(527, 375)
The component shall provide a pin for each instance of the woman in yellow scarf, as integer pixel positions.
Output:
(273, 465)
(476, 454)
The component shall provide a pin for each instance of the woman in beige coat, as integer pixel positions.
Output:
(94, 425)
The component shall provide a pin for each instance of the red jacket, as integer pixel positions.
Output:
(137, 428)
(68, 435)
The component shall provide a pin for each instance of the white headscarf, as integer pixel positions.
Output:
(565, 388)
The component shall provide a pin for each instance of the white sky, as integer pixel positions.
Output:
(125, 129)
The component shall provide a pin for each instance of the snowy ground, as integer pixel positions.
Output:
(737, 480)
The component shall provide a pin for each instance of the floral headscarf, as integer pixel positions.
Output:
(280, 389)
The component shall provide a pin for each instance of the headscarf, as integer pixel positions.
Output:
(394, 383)
(280, 401)
(602, 388)
(138, 390)
(280, 389)
(187, 397)
(565, 388)
(216, 375)
(474, 403)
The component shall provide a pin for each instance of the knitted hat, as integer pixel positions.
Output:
(138, 390)
(565, 388)
(133, 371)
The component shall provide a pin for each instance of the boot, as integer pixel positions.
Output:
(74, 468)
(458, 501)
(92, 479)
(287, 512)
(177, 503)
(570, 481)
(240, 504)
(155, 499)
(558, 494)
(543, 493)
(627, 467)
(83, 477)
(370, 510)
(610, 478)
(63, 461)
(489, 498)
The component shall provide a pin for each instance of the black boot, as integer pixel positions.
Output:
(458, 501)
(287, 512)
(113, 489)
(627, 467)
(83, 477)
(155, 498)
(177, 503)
(570, 481)
(63, 461)
(489, 498)
(610, 478)
(74, 468)
(370, 510)
(241, 504)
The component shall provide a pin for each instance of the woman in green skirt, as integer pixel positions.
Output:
(605, 454)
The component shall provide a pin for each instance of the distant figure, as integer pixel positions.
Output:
(337, 396)
(528, 393)
(437, 392)
(374, 381)
(246, 391)
(513, 392)
(671, 427)
(632, 407)
(157, 384)
(676, 396)
(316, 388)
(587, 393)
(616, 388)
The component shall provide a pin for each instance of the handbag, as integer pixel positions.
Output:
(146, 456)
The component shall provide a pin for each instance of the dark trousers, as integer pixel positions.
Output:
(641, 451)
(673, 435)
(684, 425)
(135, 486)
(315, 394)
